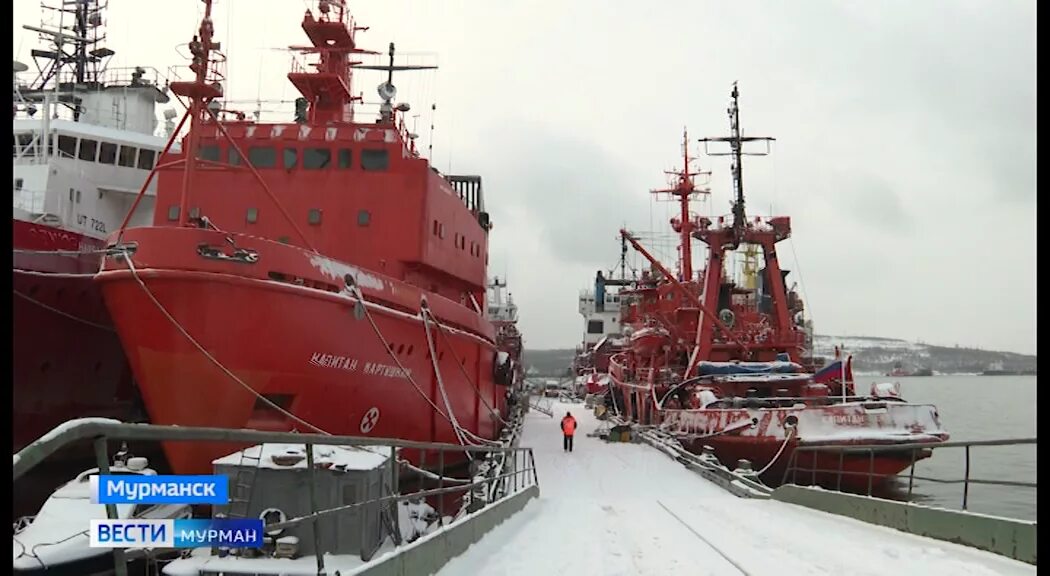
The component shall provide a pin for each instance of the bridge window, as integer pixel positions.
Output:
(345, 157)
(233, 158)
(107, 153)
(146, 159)
(210, 153)
(262, 156)
(173, 213)
(252, 216)
(435, 227)
(374, 160)
(127, 156)
(316, 158)
(88, 150)
(595, 326)
(290, 157)
(363, 218)
(67, 146)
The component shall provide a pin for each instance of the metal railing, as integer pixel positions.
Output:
(912, 449)
(507, 469)
(31, 201)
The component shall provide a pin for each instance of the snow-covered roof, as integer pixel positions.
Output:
(363, 458)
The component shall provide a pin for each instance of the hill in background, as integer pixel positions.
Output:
(870, 355)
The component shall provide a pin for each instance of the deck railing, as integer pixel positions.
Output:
(504, 469)
(794, 472)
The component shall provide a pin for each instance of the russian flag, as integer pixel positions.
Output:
(837, 371)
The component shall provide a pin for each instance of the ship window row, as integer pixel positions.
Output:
(438, 229)
(90, 150)
(290, 158)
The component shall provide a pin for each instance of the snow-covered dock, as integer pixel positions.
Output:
(629, 509)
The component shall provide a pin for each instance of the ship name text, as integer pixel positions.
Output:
(350, 364)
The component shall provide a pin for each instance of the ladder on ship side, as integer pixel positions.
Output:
(243, 484)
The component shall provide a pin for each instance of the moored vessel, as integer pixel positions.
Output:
(317, 275)
(84, 143)
(725, 362)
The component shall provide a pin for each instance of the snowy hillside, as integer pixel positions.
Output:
(881, 355)
(870, 355)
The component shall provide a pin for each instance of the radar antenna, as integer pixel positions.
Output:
(387, 91)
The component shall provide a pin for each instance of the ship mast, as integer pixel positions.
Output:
(736, 142)
(205, 88)
(74, 46)
(684, 189)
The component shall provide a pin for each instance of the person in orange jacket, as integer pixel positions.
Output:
(568, 428)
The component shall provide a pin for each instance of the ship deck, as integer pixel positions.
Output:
(615, 508)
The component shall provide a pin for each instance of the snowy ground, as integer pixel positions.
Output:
(606, 509)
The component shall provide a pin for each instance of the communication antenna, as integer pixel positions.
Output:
(387, 91)
(736, 142)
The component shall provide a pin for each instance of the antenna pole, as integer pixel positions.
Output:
(736, 143)
(738, 167)
(430, 142)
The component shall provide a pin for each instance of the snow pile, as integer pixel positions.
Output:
(414, 519)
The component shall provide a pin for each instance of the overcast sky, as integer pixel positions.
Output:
(905, 150)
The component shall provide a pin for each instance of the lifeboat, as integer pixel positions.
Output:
(649, 340)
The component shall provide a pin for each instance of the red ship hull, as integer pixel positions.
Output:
(809, 468)
(299, 344)
(68, 358)
(761, 437)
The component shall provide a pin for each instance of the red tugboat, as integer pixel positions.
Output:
(317, 275)
(83, 143)
(725, 364)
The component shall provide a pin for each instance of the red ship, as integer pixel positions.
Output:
(503, 313)
(726, 364)
(317, 275)
(83, 143)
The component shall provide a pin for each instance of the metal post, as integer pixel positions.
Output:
(911, 475)
(966, 481)
(319, 552)
(102, 456)
(394, 490)
(871, 468)
(842, 459)
(441, 484)
(532, 464)
(813, 479)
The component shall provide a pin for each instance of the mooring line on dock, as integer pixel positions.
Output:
(706, 541)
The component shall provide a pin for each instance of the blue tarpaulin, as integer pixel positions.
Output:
(713, 368)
